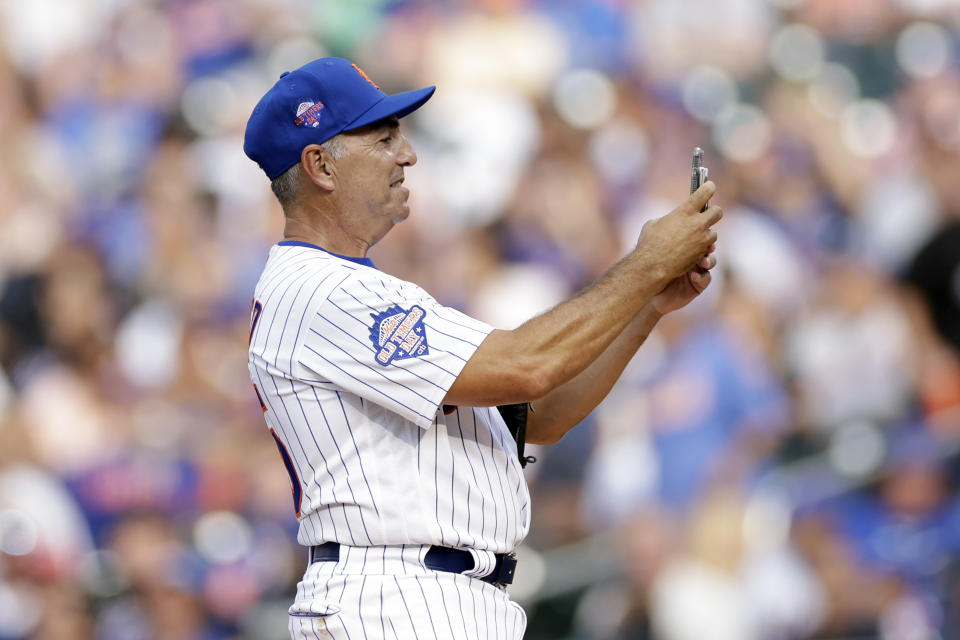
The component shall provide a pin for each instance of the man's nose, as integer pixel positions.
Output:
(407, 156)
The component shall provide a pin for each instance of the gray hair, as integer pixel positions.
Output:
(286, 186)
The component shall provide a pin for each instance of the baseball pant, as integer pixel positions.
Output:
(386, 593)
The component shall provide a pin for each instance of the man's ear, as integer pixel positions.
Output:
(319, 167)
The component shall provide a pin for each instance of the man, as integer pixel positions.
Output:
(406, 480)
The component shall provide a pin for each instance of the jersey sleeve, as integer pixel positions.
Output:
(389, 342)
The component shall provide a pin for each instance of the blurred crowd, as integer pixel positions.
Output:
(779, 461)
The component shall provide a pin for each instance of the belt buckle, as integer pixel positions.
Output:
(503, 574)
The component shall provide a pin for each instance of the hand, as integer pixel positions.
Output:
(684, 288)
(674, 244)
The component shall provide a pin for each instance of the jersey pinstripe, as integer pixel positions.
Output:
(352, 366)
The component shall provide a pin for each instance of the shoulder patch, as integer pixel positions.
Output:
(399, 334)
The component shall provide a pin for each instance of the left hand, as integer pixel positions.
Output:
(682, 289)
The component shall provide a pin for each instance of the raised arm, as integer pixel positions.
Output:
(549, 350)
(564, 407)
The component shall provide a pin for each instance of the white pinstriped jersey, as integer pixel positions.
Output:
(351, 366)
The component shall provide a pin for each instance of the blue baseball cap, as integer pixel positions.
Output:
(314, 103)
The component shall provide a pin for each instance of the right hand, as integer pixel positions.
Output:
(679, 240)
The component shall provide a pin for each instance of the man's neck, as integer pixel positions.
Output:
(322, 230)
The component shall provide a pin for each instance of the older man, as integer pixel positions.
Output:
(407, 482)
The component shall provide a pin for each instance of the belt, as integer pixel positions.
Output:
(438, 559)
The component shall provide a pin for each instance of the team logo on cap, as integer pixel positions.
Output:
(364, 75)
(308, 114)
(399, 334)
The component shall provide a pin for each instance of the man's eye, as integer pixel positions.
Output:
(387, 139)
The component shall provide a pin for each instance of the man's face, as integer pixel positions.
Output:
(370, 177)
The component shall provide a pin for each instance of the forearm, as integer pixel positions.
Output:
(549, 350)
(567, 405)
(572, 336)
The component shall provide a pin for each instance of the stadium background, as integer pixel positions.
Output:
(777, 463)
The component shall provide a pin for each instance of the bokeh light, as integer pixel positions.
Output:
(19, 611)
(222, 537)
(620, 150)
(585, 98)
(868, 128)
(835, 88)
(923, 49)
(18, 533)
(707, 91)
(742, 133)
(209, 104)
(797, 52)
(857, 449)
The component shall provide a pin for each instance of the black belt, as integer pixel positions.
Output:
(438, 559)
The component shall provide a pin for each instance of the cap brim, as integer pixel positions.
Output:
(399, 105)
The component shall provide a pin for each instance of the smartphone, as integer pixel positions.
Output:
(699, 174)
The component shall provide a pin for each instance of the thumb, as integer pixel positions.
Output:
(700, 197)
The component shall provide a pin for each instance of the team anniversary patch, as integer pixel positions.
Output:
(399, 334)
(308, 114)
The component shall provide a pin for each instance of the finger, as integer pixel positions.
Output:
(711, 248)
(699, 280)
(712, 215)
(707, 262)
(699, 197)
